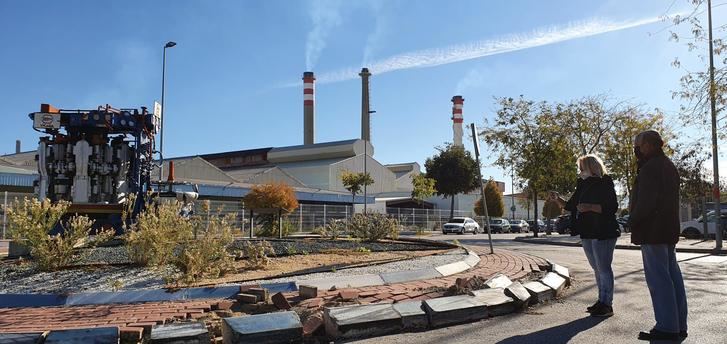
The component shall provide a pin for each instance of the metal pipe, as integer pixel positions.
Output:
(715, 155)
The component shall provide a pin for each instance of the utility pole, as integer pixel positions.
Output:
(715, 156)
(482, 185)
(161, 134)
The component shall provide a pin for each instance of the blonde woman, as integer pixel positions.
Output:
(593, 207)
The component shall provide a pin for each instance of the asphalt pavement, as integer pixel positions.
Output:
(565, 320)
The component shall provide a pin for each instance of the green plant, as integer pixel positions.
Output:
(291, 249)
(456, 242)
(269, 227)
(495, 205)
(353, 182)
(207, 256)
(362, 249)
(373, 227)
(157, 233)
(116, 284)
(334, 229)
(31, 220)
(257, 254)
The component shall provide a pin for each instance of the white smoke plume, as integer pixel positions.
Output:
(468, 51)
(325, 15)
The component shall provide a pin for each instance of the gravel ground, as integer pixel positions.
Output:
(22, 279)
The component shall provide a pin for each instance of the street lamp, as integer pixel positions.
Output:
(169, 44)
(366, 158)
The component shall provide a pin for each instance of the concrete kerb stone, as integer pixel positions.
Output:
(518, 293)
(413, 316)
(555, 282)
(410, 275)
(539, 292)
(280, 327)
(188, 333)
(562, 271)
(21, 338)
(454, 310)
(453, 268)
(497, 302)
(472, 259)
(346, 282)
(98, 335)
(362, 321)
(498, 281)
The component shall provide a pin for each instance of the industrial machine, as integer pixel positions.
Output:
(95, 158)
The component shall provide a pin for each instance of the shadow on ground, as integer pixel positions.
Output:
(556, 335)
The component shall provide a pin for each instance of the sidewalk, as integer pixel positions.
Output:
(624, 242)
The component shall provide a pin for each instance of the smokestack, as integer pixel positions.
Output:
(17, 146)
(365, 106)
(309, 114)
(457, 102)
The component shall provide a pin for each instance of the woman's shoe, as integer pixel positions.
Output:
(602, 310)
(594, 306)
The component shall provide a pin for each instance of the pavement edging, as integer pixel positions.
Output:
(529, 240)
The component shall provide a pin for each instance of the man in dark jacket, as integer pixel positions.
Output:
(654, 222)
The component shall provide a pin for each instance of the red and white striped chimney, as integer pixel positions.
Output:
(457, 102)
(309, 114)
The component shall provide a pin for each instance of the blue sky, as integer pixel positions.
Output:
(234, 79)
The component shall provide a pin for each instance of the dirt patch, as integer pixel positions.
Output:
(332, 260)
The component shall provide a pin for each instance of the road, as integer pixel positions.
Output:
(565, 320)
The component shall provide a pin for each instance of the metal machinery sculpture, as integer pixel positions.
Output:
(96, 158)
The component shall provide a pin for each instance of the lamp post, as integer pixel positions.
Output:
(715, 155)
(366, 158)
(169, 44)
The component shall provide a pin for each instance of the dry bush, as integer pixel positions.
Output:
(207, 256)
(272, 196)
(32, 220)
(269, 227)
(257, 254)
(157, 232)
(373, 227)
(334, 229)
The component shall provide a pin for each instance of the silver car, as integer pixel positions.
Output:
(461, 225)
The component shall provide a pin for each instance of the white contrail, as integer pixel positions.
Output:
(325, 15)
(474, 50)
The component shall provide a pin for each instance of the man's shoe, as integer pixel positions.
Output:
(659, 335)
(602, 310)
(590, 309)
(683, 334)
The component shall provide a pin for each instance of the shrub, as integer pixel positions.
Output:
(334, 229)
(32, 220)
(257, 253)
(207, 256)
(269, 227)
(272, 196)
(158, 231)
(373, 227)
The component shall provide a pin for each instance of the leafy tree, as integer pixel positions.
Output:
(454, 172)
(423, 187)
(495, 204)
(695, 83)
(618, 146)
(272, 196)
(525, 136)
(354, 182)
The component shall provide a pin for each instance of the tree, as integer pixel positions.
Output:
(495, 204)
(274, 195)
(618, 145)
(551, 210)
(525, 135)
(454, 172)
(695, 85)
(423, 187)
(354, 182)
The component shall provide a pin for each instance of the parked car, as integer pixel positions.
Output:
(563, 224)
(461, 225)
(624, 222)
(695, 228)
(498, 225)
(540, 226)
(518, 226)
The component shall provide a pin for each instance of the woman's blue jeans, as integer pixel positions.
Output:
(600, 256)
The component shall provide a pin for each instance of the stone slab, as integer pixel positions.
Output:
(346, 282)
(20, 338)
(413, 316)
(410, 275)
(498, 281)
(280, 327)
(307, 292)
(362, 321)
(453, 268)
(555, 282)
(247, 298)
(562, 271)
(31, 300)
(497, 302)
(454, 310)
(151, 295)
(98, 335)
(539, 292)
(280, 301)
(518, 293)
(472, 259)
(262, 294)
(283, 287)
(181, 333)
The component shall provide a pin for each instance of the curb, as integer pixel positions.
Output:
(618, 246)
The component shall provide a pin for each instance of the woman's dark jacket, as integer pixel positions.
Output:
(590, 225)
